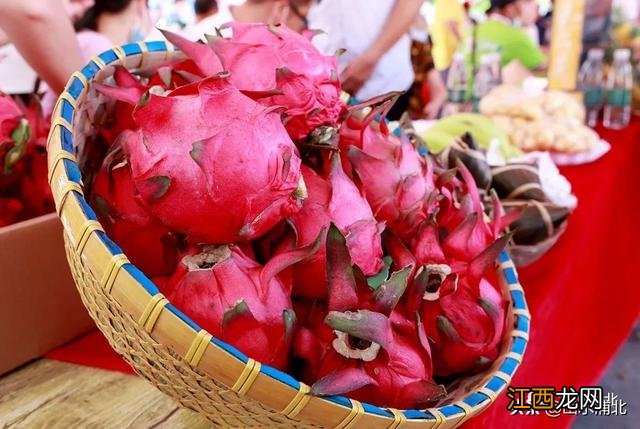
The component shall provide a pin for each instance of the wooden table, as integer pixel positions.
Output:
(51, 394)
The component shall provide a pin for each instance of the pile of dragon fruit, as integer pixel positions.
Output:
(24, 190)
(295, 227)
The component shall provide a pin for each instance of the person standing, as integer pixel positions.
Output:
(375, 35)
(208, 16)
(42, 33)
(119, 21)
(513, 43)
(447, 31)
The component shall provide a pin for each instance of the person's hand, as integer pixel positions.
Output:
(357, 72)
(431, 109)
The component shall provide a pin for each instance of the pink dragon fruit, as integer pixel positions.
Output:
(127, 94)
(336, 200)
(354, 347)
(463, 314)
(237, 300)
(278, 67)
(149, 245)
(466, 328)
(234, 161)
(398, 188)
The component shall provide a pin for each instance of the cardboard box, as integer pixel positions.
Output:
(40, 307)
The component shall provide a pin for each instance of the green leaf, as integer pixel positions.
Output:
(389, 293)
(196, 152)
(289, 318)
(240, 309)
(161, 185)
(376, 281)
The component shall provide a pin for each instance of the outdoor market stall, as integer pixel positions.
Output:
(269, 250)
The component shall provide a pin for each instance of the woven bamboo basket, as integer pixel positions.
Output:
(163, 345)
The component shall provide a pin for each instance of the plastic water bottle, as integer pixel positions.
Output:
(591, 84)
(496, 69)
(617, 112)
(484, 81)
(456, 86)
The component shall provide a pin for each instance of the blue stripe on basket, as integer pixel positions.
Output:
(66, 140)
(131, 49)
(72, 170)
(108, 56)
(519, 345)
(475, 398)
(90, 70)
(280, 376)
(509, 366)
(113, 247)
(172, 308)
(495, 384)
(156, 46)
(518, 299)
(67, 111)
(372, 409)
(75, 88)
(510, 275)
(416, 414)
(504, 257)
(523, 324)
(450, 410)
(144, 281)
(86, 208)
(230, 349)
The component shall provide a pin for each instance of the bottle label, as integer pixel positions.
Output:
(593, 97)
(456, 95)
(475, 104)
(619, 97)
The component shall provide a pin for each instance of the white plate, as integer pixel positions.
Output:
(596, 152)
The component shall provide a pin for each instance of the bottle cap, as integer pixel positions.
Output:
(595, 54)
(621, 55)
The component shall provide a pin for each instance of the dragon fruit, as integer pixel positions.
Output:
(334, 199)
(398, 188)
(127, 93)
(147, 242)
(277, 67)
(234, 160)
(463, 314)
(466, 328)
(353, 346)
(238, 300)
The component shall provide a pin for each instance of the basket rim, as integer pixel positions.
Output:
(65, 180)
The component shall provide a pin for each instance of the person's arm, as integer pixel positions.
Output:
(438, 92)
(44, 36)
(398, 24)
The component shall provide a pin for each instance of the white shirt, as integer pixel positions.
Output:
(354, 25)
(208, 25)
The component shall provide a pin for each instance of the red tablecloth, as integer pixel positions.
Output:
(583, 295)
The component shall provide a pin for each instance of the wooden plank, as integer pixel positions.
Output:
(53, 394)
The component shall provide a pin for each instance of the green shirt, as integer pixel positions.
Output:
(512, 42)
